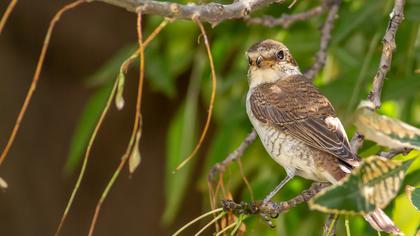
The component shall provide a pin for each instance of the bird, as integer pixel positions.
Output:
(297, 124)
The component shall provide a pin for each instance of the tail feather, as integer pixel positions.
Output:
(381, 222)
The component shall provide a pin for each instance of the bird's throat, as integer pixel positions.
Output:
(257, 76)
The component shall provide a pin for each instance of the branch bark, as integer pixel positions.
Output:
(237, 153)
(272, 209)
(212, 13)
(321, 55)
(396, 17)
(286, 20)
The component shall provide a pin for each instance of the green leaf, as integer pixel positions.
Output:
(86, 125)
(384, 130)
(414, 195)
(373, 185)
(180, 142)
(405, 215)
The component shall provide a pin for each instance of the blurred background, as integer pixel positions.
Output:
(87, 48)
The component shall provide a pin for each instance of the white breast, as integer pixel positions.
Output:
(293, 155)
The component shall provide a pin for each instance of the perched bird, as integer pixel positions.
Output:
(297, 124)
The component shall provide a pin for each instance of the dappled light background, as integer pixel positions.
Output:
(86, 50)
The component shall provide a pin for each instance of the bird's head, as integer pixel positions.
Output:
(270, 60)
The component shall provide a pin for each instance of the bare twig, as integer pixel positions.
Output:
(286, 20)
(396, 17)
(35, 79)
(221, 166)
(321, 55)
(6, 14)
(356, 142)
(272, 208)
(393, 152)
(212, 96)
(212, 13)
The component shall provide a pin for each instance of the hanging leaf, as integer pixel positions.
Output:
(3, 184)
(414, 196)
(86, 125)
(373, 185)
(384, 130)
(135, 157)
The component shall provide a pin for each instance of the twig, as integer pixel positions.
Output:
(396, 17)
(212, 13)
(221, 166)
(272, 208)
(136, 127)
(35, 79)
(356, 142)
(86, 157)
(212, 96)
(393, 152)
(6, 14)
(197, 219)
(321, 55)
(286, 20)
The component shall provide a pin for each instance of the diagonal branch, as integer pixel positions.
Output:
(321, 55)
(272, 209)
(286, 20)
(396, 17)
(221, 166)
(212, 12)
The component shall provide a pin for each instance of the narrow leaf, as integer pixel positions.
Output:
(384, 130)
(373, 185)
(414, 196)
(85, 125)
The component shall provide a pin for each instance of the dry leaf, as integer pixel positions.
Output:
(3, 184)
(135, 157)
(384, 130)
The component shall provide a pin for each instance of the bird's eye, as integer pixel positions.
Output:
(280, 55)
(249, 61)
(258, 61)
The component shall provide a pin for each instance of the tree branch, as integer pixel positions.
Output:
(212, 13)
(321, 55)
(237, 153)
(396, 17)
(286, 20)
(272, 209)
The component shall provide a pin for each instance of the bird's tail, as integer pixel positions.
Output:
(381, 222)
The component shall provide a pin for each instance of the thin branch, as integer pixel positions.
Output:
(396, 151)
(286, 20)
(396, 17)
(271, 208)
(35, 79)
(221, 166)
(212, 96)
(136, 126)
(6, 14)
(212, 13)
(321, 55)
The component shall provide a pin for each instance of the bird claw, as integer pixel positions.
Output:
(267, 220)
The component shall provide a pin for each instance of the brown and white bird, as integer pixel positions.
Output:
(297, 124)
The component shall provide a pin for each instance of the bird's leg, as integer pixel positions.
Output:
(277, 189)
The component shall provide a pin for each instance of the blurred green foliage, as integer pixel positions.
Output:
(353, 58)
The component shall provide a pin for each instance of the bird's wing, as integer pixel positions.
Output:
(297, 108)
